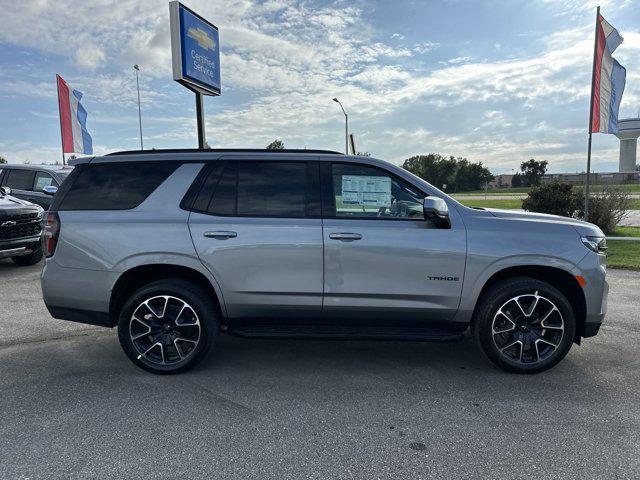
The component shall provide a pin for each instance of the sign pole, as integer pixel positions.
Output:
(195, 57)
(593, 78)
(200, 118)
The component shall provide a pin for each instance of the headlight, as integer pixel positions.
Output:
(595, 244)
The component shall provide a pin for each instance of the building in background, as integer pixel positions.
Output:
(628, 133)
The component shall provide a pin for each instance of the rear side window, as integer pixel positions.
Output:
(114, 186)
(19, 179)
(261, 189)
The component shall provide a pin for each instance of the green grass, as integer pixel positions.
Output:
(515, 203)
(623, 254)
(510, 204)
(626, 232)
(632, 188)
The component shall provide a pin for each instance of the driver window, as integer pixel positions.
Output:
(367, 192)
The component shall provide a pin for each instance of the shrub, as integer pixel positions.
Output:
(608, 208)
(555, 198)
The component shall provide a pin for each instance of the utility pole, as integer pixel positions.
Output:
(137, 68)
(346, 128)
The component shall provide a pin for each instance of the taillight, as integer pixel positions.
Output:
(50, 233)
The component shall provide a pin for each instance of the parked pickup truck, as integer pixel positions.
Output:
(20, 227)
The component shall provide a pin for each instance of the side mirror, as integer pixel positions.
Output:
(436, 210)
(6, 190)
(50, 190)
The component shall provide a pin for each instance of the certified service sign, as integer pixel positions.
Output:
(195, 50)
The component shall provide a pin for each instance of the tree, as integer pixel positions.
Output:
(3, 160)
(555, 198)
(471, 176)
(277, 144)
(516, 180)
(608, 208)
(532, 172)
(458, 174)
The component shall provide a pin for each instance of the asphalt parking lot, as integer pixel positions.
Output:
(73, 406)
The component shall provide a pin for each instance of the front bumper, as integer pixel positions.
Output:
(18, 246)
(596, 291)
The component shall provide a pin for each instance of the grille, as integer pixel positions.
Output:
(26, 225)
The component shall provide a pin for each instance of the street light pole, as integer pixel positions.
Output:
(137, 68)
(346, 128)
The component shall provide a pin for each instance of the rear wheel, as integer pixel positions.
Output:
(31, 259)
(168, 326)
(524, 325)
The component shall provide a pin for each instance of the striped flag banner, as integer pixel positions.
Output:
(73, 120)
(609, 79)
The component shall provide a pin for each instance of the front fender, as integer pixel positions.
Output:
(479, 272)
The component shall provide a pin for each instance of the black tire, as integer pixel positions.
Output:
(198, 301)
(524, 332)
(31, 259)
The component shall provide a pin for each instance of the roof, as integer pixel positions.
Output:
(222, 150)
(28, 166)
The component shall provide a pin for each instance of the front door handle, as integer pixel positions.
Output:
(220, 235)
(349, 237)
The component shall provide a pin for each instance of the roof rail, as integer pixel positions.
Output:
(229, 150)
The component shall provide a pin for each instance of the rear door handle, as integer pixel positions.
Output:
(345, 236)
(220, 235)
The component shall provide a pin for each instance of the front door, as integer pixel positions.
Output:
(257, 228)
(383, 261)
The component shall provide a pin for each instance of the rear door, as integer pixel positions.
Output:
(383, 260)
(256, 226)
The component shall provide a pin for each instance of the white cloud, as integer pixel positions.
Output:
(89, 57)
(284, 62)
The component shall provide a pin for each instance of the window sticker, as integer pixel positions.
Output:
(43, 181)
(366, 191)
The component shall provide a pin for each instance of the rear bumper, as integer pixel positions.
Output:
(77, 295)
(101, 319)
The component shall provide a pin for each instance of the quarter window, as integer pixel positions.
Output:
(114, 186)
(360, 191)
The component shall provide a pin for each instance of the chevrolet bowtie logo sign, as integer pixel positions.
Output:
(203, 39)
(9, 223)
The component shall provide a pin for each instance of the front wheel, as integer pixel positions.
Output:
(524, 325)
(168, 326)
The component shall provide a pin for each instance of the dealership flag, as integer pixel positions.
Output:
(73, 120)
(608, 79)
(607, 84)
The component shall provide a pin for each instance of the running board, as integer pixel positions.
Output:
(321, 332)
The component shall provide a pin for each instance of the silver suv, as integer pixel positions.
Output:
(175, 247)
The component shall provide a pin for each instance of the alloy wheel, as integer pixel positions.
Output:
(528, 328)
(164, 330)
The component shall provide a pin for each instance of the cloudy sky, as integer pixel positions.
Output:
(495, 81)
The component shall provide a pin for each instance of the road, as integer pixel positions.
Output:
(72, 405)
